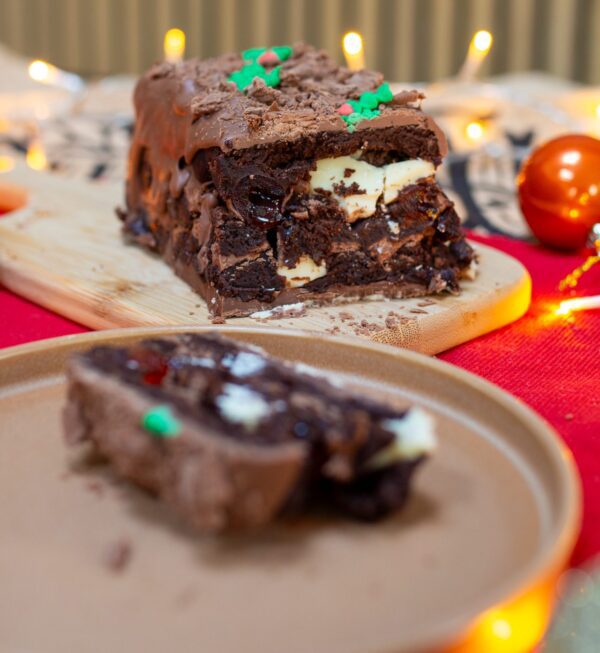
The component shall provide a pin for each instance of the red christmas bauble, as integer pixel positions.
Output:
(559, 190)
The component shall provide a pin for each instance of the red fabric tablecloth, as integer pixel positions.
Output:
(550, 362)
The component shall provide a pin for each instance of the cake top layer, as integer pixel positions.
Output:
(224, 103)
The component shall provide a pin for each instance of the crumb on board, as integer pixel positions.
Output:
(366, 328)
(96, 487)
(118, 555)
(417, 310)
(218, 320)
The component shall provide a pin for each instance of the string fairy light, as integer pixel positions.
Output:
(45, 73)
(479, 48)
(475, 130)
(567, 306)
(6, 163)
(174, 45)
(36, 156)
(354, 51)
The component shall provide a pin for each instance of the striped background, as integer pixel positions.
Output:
(407, 39)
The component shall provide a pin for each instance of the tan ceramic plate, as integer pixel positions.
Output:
(494, 513)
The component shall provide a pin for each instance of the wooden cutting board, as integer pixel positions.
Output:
(63, 249)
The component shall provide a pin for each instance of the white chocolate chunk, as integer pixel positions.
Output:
(246, 364)
(304, 271)
(394, 227)
(414, 436)
(372, 180)
(298, 308)
(369, 179)
(404, 173)
(240, 405)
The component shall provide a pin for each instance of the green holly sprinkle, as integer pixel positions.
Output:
(284, 52)
(366, 107)
(272, 77)
(160, 422)
(257, 59)
(252, 54)
(384, 93)
(369, 100)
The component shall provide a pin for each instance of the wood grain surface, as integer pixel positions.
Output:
(63, 250)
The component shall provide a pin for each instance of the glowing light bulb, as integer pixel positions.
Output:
(6, 164)
(352, 44)
(474, 130)
(174, 45)
(567, 306)
(42, 72)
(482, 41)
(479, 48)
(516, 627)
(45, 73)
(36, 156)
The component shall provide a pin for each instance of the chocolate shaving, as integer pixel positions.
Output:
(343, 191)
(404, 98)
(204, 105)
(118, 555)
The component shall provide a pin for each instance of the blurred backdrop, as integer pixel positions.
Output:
(408, 40)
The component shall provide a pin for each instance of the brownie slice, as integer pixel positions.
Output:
(275, 176)
(233, 438)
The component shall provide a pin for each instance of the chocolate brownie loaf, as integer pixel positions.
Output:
(233, 438)
(275, 177)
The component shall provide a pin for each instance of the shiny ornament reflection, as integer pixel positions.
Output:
(559, 190)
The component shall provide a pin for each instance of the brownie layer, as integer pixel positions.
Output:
(223, 184)
(297, 438)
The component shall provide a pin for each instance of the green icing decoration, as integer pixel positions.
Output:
(365, 108)
(160, 422)
(252, 54)
(272, 77)
(369, 100)
(284, 52)
(384, 93)
(243, 77)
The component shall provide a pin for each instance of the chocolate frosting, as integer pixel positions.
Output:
(189, 106)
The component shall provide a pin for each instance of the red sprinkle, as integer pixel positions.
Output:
(152, 366)
(345, 110)
(267, 58)
(156, 376)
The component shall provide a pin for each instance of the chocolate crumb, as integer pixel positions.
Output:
(426, 302)
(348, 172)
(118, 555)
(96, 487)
(218, 320)
(345, 316)
(343, 191)
(418, 310)
(391, 322)
(366, 328)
